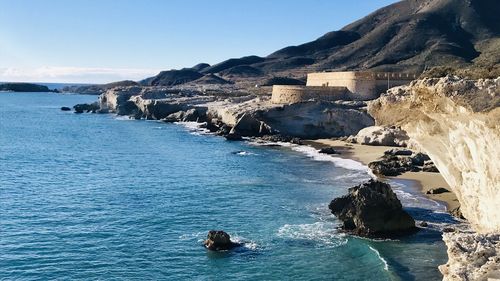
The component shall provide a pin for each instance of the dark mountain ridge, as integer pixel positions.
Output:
(409, 36)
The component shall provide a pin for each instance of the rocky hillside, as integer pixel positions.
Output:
(410, 35)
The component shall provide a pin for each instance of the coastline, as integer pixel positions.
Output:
(366, 154)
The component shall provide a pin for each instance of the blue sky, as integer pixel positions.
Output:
(107, 40)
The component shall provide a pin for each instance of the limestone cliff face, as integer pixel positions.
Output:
(310, 119)
(457, 122)
(471, 256)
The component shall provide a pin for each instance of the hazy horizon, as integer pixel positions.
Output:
(99, 41)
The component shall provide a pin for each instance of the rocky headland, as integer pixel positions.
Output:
(457, 122)
(243, 114)
(23, 87)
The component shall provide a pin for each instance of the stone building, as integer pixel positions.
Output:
(349, 85)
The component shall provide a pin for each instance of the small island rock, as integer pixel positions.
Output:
(218, 240)
(372, 209)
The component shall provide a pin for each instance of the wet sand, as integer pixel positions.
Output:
(366, 154)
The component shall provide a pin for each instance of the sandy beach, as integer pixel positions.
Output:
(366, 154)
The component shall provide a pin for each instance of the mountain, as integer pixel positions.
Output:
(410, 36)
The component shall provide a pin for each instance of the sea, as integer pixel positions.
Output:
(102, 197)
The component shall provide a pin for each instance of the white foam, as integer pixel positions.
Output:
(321, 232)
(122, 117)
(191, 236)
(251, 245)
(337, 161)
(386, 265)
(194, 128)
(244, 153)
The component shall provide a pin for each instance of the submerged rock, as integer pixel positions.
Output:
(65, 108)
(218, 240)
(372, 209)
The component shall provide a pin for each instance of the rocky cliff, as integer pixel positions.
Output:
(246, 114)
(458, 123)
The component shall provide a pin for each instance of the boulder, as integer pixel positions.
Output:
(233, 137)
(392, 166)
(281, 138)
(419, 159)
(249, 126)
(386, 136)
(438, 190)
(372, 209)
(398, 152)
(195, 115)
(86, 107)
(430, 167)
(218, 240)
(456, 212)
(328, 150)
(174, 117)
(65, 108)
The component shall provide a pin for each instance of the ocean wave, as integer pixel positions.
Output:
(323, 233)
(123, 118)
(245, 243)
(198, 236)
(386, 265)
(194, 128)
(337, 161)
(243, 153)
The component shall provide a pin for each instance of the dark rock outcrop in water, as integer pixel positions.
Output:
(23, 87)
(218, 240)
(65, 108)
(86, 107)
(372, 209)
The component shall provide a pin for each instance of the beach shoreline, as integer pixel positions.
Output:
(367, 153)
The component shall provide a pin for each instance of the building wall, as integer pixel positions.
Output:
(364, 85)
(285, 94)
(348, 85)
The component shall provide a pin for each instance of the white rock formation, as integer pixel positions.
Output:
(457, 122)
(382, 135)
(472, 257)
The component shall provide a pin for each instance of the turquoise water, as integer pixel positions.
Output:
(87, 197)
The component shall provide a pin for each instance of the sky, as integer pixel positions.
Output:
(100, 41)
